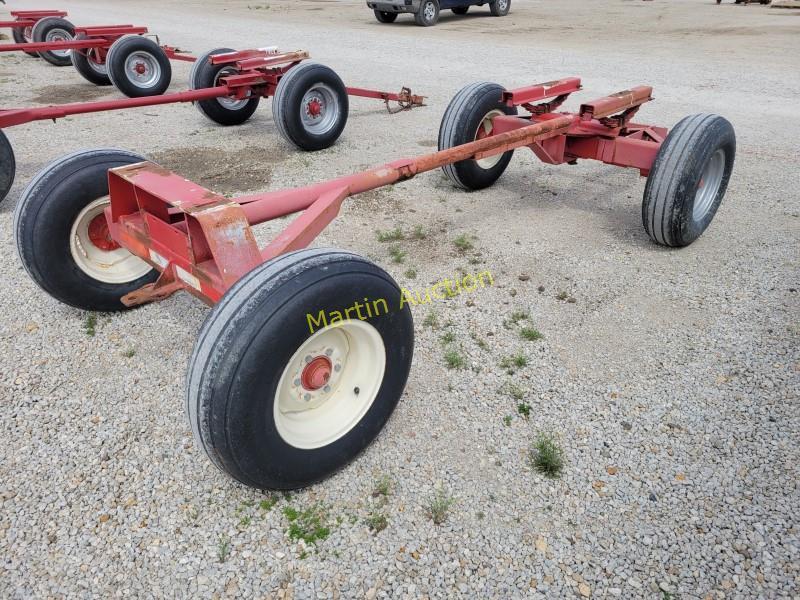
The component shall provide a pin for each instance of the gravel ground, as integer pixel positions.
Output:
(669, 378)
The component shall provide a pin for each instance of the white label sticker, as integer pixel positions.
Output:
(187, 277)
(158, 259)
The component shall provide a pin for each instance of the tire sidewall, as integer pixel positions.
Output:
(44, 227)
(291, 96)
(39, 33)
(115, 64)
(81, 62)
(8, 166)
(718, 136)
(248, 382)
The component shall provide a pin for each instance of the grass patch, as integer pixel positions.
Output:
(515, 391)
(223, 548)
(507, 420)
(481, 343)
(547, 457)
(531, 334)
(418, 233)
(267, 504)
(398, 254)
(439, 507)
(307, 525)
(454, 360)
(524, 409)
(449, 337)
(431, 320)
(393, 235)
(411, 273)
(511, 363)
(129, 353)
(463, 243)
(90, 324)
(377, 521)
(519, 315)
(562, 295)
(382, 487)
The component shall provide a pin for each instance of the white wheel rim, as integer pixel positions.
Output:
(709, 185)
(430, 11)
(58, 35)
(225, 102)
(108, 266)
(485, 128)
(142, 69)
(97, 67)
(502, 4)
(319, 109)
(310, 417)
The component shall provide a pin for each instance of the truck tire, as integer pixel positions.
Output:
(62, 238)
(688, 179)
(428, 13)
(85, 64)
(385, 17)
(225, 111)
(310, 106)
(53, 29)
(138, 66)
(19, 35)
(468, 118)
(8, 166)
(274, 403)
(500, 8)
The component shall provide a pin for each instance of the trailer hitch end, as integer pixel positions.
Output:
(405, 101)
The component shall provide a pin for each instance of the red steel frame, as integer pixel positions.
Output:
(98, 40)
(258, 74)
(203, 243)
(28, 18)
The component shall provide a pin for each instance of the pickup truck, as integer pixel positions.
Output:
(426, 12)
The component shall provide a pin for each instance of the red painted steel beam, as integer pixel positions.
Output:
(542, 91)
(610, 105)
(66, 45)
(19, 116)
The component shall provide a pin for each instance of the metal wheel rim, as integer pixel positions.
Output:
(114, 266)
(429, 11)
(58, 35)
(486, 126)
(329, 109)
(27, 33)
(151, 67)
(230, 103)
(97, 67)
(709, 184)
(502, 4)
(313, 418)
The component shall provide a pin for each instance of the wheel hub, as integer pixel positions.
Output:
(99, 234)
(316, 373)
(314, 108)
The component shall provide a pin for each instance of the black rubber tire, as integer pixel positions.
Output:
(420, 18)
(115, 64)
(83, 65)
(39, 34)
(19, 38)
(43, 220)
(385, 17)
(672, 185)
(8, 166)
(459, 126)
(460, 10)
(287, 105)
(205, 75)
(247, 341)
(500, 8)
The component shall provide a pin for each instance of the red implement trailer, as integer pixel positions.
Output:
(310, 105)
(121, 55)
(306, 352)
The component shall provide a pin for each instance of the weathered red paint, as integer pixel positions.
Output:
(203, 242)
(28, 18)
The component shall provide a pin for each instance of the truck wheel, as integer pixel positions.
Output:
(461, 10)
(428, 13)
(22, 35)
(138, 66)
(225, 111)
(89, 64)
(468, 118)
(385, 17)
(276, 405)
(62, 235)
(688, 179)
(53, 29)
(8, 166)
(310, 106)
(500, 8)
